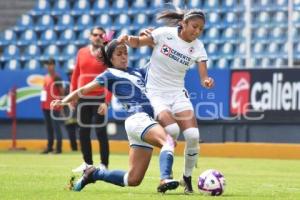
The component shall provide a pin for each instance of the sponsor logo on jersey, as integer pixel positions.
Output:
(175, 55)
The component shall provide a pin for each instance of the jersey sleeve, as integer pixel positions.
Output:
(158, 33)
(201, 53)
(102, 79)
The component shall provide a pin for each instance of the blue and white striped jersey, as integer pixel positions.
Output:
(129, 87)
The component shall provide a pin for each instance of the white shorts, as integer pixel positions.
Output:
(136, 127)
(175, 101)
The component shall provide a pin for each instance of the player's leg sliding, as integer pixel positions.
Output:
(191, 154)
(92, 174)
(165, 164)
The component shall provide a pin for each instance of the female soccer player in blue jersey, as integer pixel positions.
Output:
(176, 48)
(142, 131)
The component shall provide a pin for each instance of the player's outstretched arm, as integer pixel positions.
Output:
(75, 95)
(206, 81)
(136, 41)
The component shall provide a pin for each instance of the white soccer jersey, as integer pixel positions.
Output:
(171, 58)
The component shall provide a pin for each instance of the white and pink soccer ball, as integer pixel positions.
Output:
(211, 182)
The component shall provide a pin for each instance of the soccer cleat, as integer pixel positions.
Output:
(81, 168)
(102, 167)
(86, 178)
(167, 184)
(187, 183)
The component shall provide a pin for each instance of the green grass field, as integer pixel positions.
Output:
(28, 175)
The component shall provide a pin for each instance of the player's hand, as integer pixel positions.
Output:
(123, 39)
(102, 109)
(146, 32)
(57, 104)
(208, 82)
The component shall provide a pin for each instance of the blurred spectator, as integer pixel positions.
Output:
(52, 90)
(86, 69)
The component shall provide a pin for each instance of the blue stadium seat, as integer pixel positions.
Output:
(84, 21)
(212, 49)
(66, 37)
(69, 64)
(32, 64)
(143, 52)
(222, 63)
(238, 63)
(10, 52)
(140, 21)
(81, 7)
(41, 7)
(32, 51)
(48, 37)
(119, 6)
(278, 34)
(68, 52)
(104, 20)
(50, 51)
(138, 6)
(240, 49)
(258, 50)
(12, 64)
(212, 19)
(227, 50)
(64, 22)
(61, 7)
(8, 37)
(273, 50)
(259, 34)
(83, 37)
(23, 23)
(280, 62)
(211, 5)
(122, 20)
(212, 34)
(156, 5)
(297, 5)
(100, 7)
(230, 34)
(296, 18)
(194, 4)
(45, 22)
(265, 63)
(28, 37)
(280, 19)
(262, 18)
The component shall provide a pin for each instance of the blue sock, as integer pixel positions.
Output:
(165, 164)
(114, 177)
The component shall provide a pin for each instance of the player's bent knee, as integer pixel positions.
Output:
(134, 181)
(191, 135)
(173, 130)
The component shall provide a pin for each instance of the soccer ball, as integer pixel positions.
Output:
(211, 182)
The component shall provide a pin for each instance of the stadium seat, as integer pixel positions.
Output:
(12, 64)
(265, 63)
(238, 63)
(10, 52)
(28, 37)
(104, 20)
(66, 37)
(138, 6)
(41, 7)
(99, 7)
(194, 4)
(64, 22)
(68, 52)
(229, 34)
(227, 49)
(263, 18)
(121, 21)
(32, 51)
(83, 37)
(51, 51)
(48, 37)
(222, 63)
(212, 5)
(212, 34)
(45, 22)
(83, 22)
(61, 7)
(258, 49)
(23, 23)
(140, 21)
(212, 19)
(230, 18)
(296, 5)
(156, 5)
(278, 33)
(118, 6)
(8, 37)
(273, 50)
(81, 7)
(296, 17)
(69, 64)
(241, 49)
(32, 64)
(259, 34)
(143, 52)
(212, 49)
(280, 62)
(280, 18)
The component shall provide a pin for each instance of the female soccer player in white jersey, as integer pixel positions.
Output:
(143, 132)
(175, 49)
